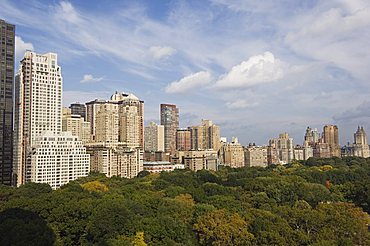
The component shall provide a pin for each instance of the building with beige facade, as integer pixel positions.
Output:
(281, 150)
(38, 116)
(118, 142)
(330, 136)
(197, 160)
(360, 146)
(232, 154)
(154, 137)
(255, 156)
(77, 125)
(206, 136)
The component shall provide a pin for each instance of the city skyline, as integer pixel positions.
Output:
(246, 65)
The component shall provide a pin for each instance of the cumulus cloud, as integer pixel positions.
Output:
(256, 70)
(240, 103)
(189, 82)
(89, 78)
(161, 52)
(21, 47)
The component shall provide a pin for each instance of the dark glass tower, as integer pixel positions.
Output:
(7, 40)
(78, 109)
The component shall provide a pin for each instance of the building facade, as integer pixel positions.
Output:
(197, 160)
(206, 136)
(58, 159)
(170, 121)
(281, 150)
(183, 139)
(154, 138)
(7, 48)
(255, 156)
(330, 136)
(232, 154)
(77, 125)
(78, 109)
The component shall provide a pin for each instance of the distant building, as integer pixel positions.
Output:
(77, 125)
(302, 152)
(183, 139)
(161, 166)
(7, 48)
(197, 160)
(150, 156)
(322, 150)
(360, 146)
(232, 154)
(255, 156)
(154, 137)
(170, 121)
(312, 137)
(58, 159)
(78, 109)
(206, 136)
(281, 150)
(330, 136)
(115, 159)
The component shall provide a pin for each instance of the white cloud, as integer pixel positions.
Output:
(240, 103)
(89, 78)
(189, 82)
(21, 47)
(161, 52)
(257, 70)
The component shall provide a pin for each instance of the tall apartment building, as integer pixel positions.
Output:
(281, 150)
(76, 125)
(205, 136)
(118, 141)
(170, 121)
(58, 159)
(7, 45)
(311, 137)
(124, 109)
(330, 136)
(154, 137)
(197, 160)
(78, 109)
(255, 156)
(38, 113)
(183, 139)
(360, 146)
(232, 154)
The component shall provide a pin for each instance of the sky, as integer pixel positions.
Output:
(256, 68)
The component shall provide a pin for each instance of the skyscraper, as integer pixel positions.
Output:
(281, 150)
(78, 109)
(170, 121)
(7, 37)
(330, 136)
(38, 123)
(183, 139)
(205, 136)
(154, 137)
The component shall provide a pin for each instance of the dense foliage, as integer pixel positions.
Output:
(316, 202)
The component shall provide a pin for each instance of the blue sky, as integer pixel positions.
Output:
(256, 68)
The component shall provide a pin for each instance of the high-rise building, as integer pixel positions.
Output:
(281, 150)
(232, 154)
(124, 111)
(38, 113)
(76, 125)
(183, 139)
(58, 159)
(170, 121)
(330, 136)
(78, 109)
(205, 136)
(200, 159)
(311, 137)
(7, 45)
(255, 156)
(118, 142)
(360, 146)
(154, 137)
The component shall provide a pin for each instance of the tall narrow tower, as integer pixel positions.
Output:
(330, 136)
(170, 121)
(7, 36)
(38, 98)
